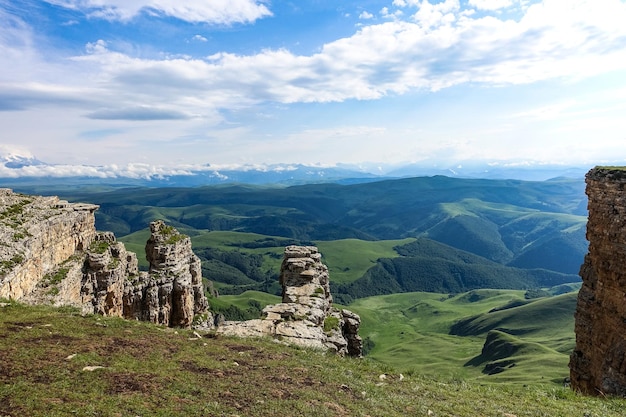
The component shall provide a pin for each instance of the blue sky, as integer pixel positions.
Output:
(158, 85)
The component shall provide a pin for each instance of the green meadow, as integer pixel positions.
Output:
(491, 336)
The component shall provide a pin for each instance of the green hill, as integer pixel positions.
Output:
(502, 220)
(426, 265)
(455, 336)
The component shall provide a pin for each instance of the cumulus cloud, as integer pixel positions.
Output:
(135, 171)
(199, 38)
(366, 15)
(438, 46)
(213, 11)
(491, 4)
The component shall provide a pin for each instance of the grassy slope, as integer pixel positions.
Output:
(349, 259)
(151, 370)
(412, 332)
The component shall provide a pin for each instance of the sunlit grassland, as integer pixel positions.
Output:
(349, 259)
(412, 332)
(152, 370)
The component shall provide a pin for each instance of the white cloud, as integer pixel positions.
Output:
(490, 4)
(442, 48)
(200, 38)
(366, 16)
(135, 170)
(385, 13)
(213, 11)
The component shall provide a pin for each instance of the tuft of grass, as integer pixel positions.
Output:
(331, 323)
(146, 369)
(57, 277)
(7, 265)
(99, 246)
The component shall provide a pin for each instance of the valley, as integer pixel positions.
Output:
(446, 273)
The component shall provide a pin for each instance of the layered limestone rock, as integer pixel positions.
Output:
(37, 235)
(172, 292)
(50, 252)
(598, 363)
(108, 270)
(306, 316)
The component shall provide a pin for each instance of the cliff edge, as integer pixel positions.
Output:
(598, 363)
(50, 252)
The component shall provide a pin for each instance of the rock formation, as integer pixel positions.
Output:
(172, 292)
(598, 363)
(37, 234)
(50, 252)
(306, 316)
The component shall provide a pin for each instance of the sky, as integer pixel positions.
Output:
(165, 85)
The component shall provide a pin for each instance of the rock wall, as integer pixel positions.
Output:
(598, 363)
(50, 252)
(306, 316)
(171, 293)
(37, 234)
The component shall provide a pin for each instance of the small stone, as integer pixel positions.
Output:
(92, 368)
(72, 356)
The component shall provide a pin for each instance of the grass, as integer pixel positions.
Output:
(349, 259)
(413, 332)
(242, 300)
(151, 370)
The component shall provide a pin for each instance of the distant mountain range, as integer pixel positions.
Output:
(26, 169)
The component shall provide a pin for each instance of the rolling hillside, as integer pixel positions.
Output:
(531, 232)
(482, 335)
(491, 335)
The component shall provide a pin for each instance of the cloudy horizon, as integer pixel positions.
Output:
(153, 85)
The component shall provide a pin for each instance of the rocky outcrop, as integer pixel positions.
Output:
(172, 292)
(50, 252)
(37, 235)
(598, 363)
(306, 316)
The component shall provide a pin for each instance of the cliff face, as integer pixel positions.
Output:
(50, 252)
(598, 363)
(306, 316)
(37, 234)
